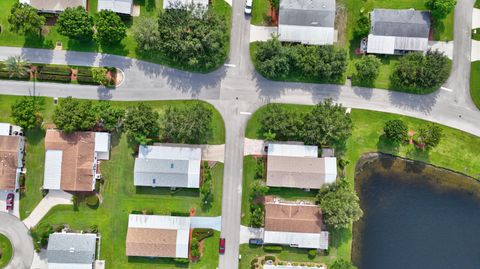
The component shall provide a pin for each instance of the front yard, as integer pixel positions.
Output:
(475, 83)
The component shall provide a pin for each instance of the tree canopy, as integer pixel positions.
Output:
(25, 112)
(272, 59)
(367, 70)
(110, 28)
(429, 136)
(17, 66)
(283, 124)
(396, 131)
(441, 8)
(146, 33)
(108, 117)
(342, 264)
(25, 19)
(362, 28)
(72, 115)
(141, 123)
(75, 23)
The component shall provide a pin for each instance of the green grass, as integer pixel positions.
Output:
(127, 47)
(476, 34)
(477, 4)
(6, 249)
(260, 9)
(475, 83)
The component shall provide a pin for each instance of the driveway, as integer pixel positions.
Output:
(21, 241)
(444, 46)
(213, 153)
(206, 222)
(53, 198)
(262, 33)
(476, 18)
(16, 203)
(248, 232)
(475, 50)
(254, 147)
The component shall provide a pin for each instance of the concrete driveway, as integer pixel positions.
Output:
(206, 222)
(246, 233)
(475, 50)
(261, 33)
(21, 241)
(53, 198)
(16, 203)
(476, 18)
(445, 47)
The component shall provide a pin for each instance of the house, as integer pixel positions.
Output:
(54, 6)
(294, 224)
(297, 166)
(289, 266)
(71, 160)
(71, 250)
(308, 22)
(397, 31)
(12, 147)
(122, 7)
(168, 166)
(169, 4)
(158, 236)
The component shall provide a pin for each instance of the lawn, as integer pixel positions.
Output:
(5, 250)
(477, 4)
(475, 83)
(127, 47)
(260, 9)
(476, 34)
(457, 151)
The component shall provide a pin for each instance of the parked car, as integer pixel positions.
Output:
(248, 7)
(255, 241)
(10, 199)
(221, 248)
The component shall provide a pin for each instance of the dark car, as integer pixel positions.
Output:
(255, 241)
(221, 248)
(10, 198)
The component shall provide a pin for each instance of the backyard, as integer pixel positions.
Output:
(475, 83)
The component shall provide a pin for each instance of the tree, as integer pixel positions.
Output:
(332, 64)
(272, 59)
(307, 60)
(191, 124)
(74, 115)
(396, 131)
(206, 192)
(195, 247)
(362, 28)
(257, 215)
(99, 75)
(327, 124)
(108, 117)
(284, 125)
(441, 8)
(342, 264)
(141, 122)
(258, 188)
(430, 136)
(146, 33)
(17, 66)
(367, 69)
(339, 204)
(75, 23)
(24, 19)
(25, 113)
(110, 28)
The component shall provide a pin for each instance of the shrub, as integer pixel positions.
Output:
(86, 80)
(362, 28)
(99, 75)
(202, 233)
(195, 247)
(179, 214)
(430, 136)
(257, 215)
(396, 130)
(181, 261)
(56, 78)
(312, 253)
(270, 258)
(259, 169)
(92, 200)
(272, 248)
(55, 70)
(84, 71)
(7, 75)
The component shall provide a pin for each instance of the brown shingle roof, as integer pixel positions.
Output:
(284, 217)
(78, 158)
(146, 242)
(8, 161)
(295, 172)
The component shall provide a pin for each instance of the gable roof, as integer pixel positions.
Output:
(292, 150)
(71, 248)
(400, 22)
(117, 6)
(9, 160)
(292, 217)
(318, 13)
(54, 5)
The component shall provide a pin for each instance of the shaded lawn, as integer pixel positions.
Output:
(260, 9)
(475, 83)
(6, 250)
(476, 34)
(385, 71)
(477, 4)
(120, 197)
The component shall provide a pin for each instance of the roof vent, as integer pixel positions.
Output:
(72, 250)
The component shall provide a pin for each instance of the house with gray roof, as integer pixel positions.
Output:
(54, 6)
(398, 31)
(71, 250)
(307, 21)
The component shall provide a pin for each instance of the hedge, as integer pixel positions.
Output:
(180, 214)
(181, 260)
(6, 75)
(86, 80)
(57, 78)
(55, 70)
(272, 248)
(84, 71)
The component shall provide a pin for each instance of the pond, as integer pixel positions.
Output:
(416, 216)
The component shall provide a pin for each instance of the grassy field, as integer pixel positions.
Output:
(6, 250)
(127, 47)
(475, 83)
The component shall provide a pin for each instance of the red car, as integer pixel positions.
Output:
(221, 249)
(10, 198)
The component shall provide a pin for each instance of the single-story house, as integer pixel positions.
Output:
(397, 31)
(168, 166)
(71, 160)
(168, 4)
(297, 166)
(287, 266)
(308, 22)
(71, 250)
(12, 147)
(122, 7)
(158, 236)
(294, 224)
(54, 6)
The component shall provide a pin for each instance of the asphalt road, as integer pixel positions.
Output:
(22, 243)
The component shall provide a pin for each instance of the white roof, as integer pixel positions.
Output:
(69, 266)
(118, 6)
(330, 169)
(102, 142)
(4, 128)
(53, 169)
(167, 3)
(292, 150)
(272, 266)
(168, 152)
(388, 44)
(301, 240)
(307, 34)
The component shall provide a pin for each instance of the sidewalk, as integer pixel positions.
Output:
(53, 198)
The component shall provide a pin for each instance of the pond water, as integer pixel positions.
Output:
(416, 216)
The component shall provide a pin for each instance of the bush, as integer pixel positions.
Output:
(92, 200)
(202, 233)
(272, 248)
(99, 75)
(195, 247)
(7, 75)
(84, 71)
(56, 78)
(181, 261)
(259, 169)
(362, 28)
(257, 215)
(86, 80)
(312, 253)
(270, 258)
(55, 70)
(396, 130)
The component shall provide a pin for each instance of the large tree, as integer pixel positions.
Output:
(74, 115)
(17, 66)
(342, 264)
(327, 124)
(25, 19)
(272, 58)
(396, 131)
(367, 70)
(25, 112)
(333, 63)
(441, 8)
(190, 124)
(76, 23)
(430, 136)
(109, 28)
(285, 125)
(339, 204)
(146, 33)
(108, 117)
(141, 123)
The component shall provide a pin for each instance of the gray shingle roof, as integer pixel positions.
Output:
(314, 13)
(400, 22)
(71, 248)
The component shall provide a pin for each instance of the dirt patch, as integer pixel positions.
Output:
(341, 18)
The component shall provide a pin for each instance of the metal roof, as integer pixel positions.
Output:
(54, 5)
(292, 150)
(117, 6)
(400, 22)
(172, 3)
(102, 142)
(53, 169)
(391, 44)
(300, 240)
(71, 248)
(4, 128)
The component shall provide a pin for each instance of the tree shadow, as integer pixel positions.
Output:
(179, 192)
(385, 145)
(339, 237)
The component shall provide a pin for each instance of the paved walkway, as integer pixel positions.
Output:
(261, 33)
(248, 232)
(444, 46)
(52, 199)
(206, 222)
(21, 241)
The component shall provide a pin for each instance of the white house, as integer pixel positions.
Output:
(123, 7)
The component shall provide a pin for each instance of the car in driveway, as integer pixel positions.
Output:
(248, 7)
(221, 246)
(10, 199)
(255, 241)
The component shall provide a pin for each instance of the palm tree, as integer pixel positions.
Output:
(17, 66)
